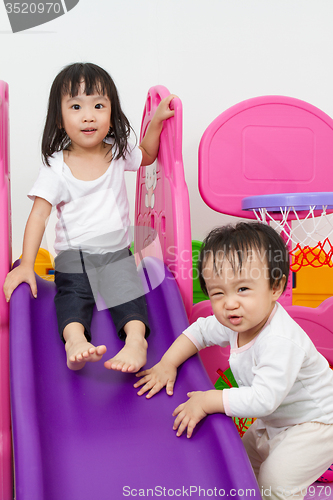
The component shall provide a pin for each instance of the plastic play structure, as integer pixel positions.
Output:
(5, 252)
(87, 433)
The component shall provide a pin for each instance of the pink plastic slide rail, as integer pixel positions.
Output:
(162, 213)
(6, 479)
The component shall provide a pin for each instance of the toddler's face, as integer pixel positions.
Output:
(86, 118)
(241, 300)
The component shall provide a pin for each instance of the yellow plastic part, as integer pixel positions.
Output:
(44, 264)
(313, 285)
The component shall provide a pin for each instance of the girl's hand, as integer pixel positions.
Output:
(151, 141)
(163, 111)
(159, 376)
(190, 413)
(21, 274)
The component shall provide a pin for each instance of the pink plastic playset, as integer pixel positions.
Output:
(6, 475)
(255, 148)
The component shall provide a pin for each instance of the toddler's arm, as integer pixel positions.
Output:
(151, 141)
(164, 373)
(32, 239)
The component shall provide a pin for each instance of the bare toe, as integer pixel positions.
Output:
(130, 359)
(80, 353)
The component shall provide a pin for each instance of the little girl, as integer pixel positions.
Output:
(86, 151)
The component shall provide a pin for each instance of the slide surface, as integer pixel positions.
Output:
(87, 435)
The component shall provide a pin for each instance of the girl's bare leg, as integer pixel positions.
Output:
(78, 349)
(133, 356)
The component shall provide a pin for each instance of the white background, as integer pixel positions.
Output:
(211, 53)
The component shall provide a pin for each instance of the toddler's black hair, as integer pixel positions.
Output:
(236, 242)
(68, 82)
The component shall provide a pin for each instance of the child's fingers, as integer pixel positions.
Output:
(190, 428)
(169, 387)
(7, 292)
(152, 387)
(144, 389)
(142, 381)
(149, 385)
(8, 287)
(170, 107)
(171, 97)
(14, 279)
(165, 110)
(143, 373)
(33, 288)
(183, 421)
(180, 424)
(157, 387)
(178, 409)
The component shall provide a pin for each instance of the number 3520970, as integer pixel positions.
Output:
(33, 8)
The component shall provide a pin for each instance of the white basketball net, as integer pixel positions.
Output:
(308, 239)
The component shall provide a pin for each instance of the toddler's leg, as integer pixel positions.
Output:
(77, 347)
(133, 356)
(255, 447)
(297, 457)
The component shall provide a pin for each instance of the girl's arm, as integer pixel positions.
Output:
(164, 373)
(32, 239)
(151, 141)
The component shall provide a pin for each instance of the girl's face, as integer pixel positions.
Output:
(242, 300)
(86, 119)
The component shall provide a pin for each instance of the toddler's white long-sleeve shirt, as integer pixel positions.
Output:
(283, 380)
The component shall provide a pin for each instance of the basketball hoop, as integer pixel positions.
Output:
(303, 221)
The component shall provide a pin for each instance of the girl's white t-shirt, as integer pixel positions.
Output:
(92, 215)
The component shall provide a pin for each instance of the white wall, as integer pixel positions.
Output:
(211, 53)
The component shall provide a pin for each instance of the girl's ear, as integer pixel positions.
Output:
(278, 288)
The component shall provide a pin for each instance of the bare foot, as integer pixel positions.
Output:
(131, 357)
(78, 353)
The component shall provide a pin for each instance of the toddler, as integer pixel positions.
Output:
(282, 379)
(86, 151)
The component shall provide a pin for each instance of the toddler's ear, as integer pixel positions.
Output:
(278, 287)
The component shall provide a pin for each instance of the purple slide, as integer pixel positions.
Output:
(87, 435)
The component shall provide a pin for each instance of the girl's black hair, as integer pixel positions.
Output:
(67, 82)
(236, 242)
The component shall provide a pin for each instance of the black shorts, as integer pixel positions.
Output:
(110, 281)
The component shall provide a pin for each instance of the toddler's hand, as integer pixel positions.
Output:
(190, 413)
(157, 377)
(21, 274)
